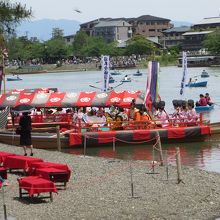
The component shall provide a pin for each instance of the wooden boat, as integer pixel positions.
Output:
(111, 80)
(39, 140)
(102, 137)
(138, 73)
(115, 73)
(99, 135)
(17, 78)
(204, 108)
(204, 74)
(215, 128)
(197, 84)
(126, 80)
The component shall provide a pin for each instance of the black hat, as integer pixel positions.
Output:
(184, 103)
(190, 102)
(161, 104)
(156, 105)
(179, 103)
(175, 103)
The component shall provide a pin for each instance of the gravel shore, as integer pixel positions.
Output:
(101, 189)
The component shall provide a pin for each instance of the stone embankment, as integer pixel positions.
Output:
(101, 189)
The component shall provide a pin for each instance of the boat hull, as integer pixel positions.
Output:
(145, 136)
(10, 79)
(204, 108)
(198, 84)
(204, 76)
(38, 140)
(115, 73)
(137, 74)
(103, 138)
(128, 80)
(111, 81)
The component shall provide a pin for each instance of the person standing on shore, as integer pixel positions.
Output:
(25, 133)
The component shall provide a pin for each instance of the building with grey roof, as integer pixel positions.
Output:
(174, 36)
(207, 23)
(145, 25)
(114, 30)
(149, 26)
(193, 41)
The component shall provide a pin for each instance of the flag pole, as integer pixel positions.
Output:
(3, 72)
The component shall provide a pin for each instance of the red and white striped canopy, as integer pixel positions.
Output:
(80, 99)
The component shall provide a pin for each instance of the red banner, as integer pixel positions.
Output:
(141, 135)
(75, 139)
(25, 98)
(128, 97)
(176, 133)
(115, 98)
(2, 97)
(1, 77)
(55, 99)
(85, 98)
(205, 130)
(106, 137)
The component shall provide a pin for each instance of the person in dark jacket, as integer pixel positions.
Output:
(25, 133)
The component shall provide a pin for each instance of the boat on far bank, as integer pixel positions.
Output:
(204, 74)
(126, 79)
(14, 78)
(138, 73)
(115, 73)
(111, 80)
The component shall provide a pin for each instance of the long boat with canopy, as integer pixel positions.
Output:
(77, 133)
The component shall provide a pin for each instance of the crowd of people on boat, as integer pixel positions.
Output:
(204, 100)
(118, 118)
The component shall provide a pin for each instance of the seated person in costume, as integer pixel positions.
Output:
(202, 101)
(162, 116)
(192, 116)
(208, 99)
(117, 124)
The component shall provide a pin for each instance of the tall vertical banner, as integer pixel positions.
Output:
(105, 70)
(184, 66)
(152, 88)
(1, 77)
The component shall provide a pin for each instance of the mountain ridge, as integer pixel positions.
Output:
(42, 29)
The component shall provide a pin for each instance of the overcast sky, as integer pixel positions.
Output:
(185, 10)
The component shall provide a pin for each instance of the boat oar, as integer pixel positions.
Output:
(216, 104)
(117, 85)
(95, 87)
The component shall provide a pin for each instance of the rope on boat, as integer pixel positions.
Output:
(120, 140)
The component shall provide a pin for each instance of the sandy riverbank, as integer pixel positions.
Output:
(100, 189)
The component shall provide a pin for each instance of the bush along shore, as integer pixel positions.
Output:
(102, 189)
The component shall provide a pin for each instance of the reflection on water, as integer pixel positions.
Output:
(203, 155)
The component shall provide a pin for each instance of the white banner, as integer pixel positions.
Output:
(105, 70)
(184, 66)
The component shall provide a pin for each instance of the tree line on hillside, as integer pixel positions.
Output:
(83, 46)
(55, 49)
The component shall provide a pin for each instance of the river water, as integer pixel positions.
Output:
(205, 155)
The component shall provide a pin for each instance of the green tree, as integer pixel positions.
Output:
(80, 43)
(212, 42)
(139, 45)
(56, 49)
(11, 14)
(57, 33)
